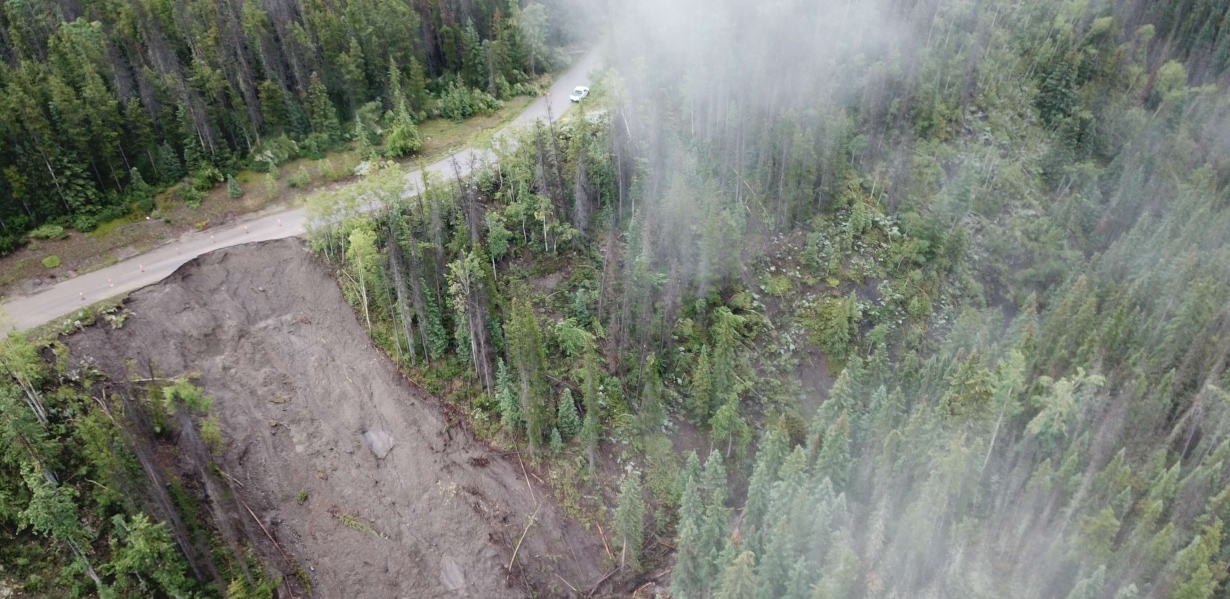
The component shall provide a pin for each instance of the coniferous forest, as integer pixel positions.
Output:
(105, 101)
(810, 299)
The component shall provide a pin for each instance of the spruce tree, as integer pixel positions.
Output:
(591, 428)
(688, 578)
(1090, 588)
(764, 475)
(739, 580)
(717, 516)
(435, 325)
(510, 407)
(799, 585)
(321, 111)
(834, 460)
(474, 58)
(136, 184)
(557, 442)
(726, 334)
(567, 420)
(652, 413)
(528, 359)
(362, 139)
(232, 187)
(701, 398)
(169, 166)
(403, 136)
(629, 523)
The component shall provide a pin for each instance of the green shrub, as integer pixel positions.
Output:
(85, 224)
(301, 178)
(48, 232)
(111, 213)
(191, 196)
(205, 179)
(335, 171)
(51, 261)
(271, 183)
(273, 151)
(459, 102)
(315, 146)
(232, 188)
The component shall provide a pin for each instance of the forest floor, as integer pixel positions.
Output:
(23, 272)
(370, 485)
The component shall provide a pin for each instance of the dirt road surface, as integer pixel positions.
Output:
(27, 312)
(400, 502)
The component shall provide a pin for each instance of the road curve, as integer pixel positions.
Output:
(29, 311)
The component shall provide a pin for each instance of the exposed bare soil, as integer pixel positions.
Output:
(401, 501)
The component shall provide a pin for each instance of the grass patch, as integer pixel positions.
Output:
(443, 137)
(105, 230)
(82, 252)
(51, 262)
(110, 309)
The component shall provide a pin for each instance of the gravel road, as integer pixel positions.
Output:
(27, 312)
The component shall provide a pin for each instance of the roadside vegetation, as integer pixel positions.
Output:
(110, 111)
(940, 318)
(135, 233)
(921, 301)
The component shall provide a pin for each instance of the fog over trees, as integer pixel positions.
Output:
(823, 299)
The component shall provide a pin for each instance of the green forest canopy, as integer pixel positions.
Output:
(1001, 227)
(101, 99)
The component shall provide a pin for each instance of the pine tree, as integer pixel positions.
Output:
(739, 580)
(528, 358)
(591, 428)
(701, 397)
(1197, 569)
(652, 413)
(840, 572)
(169, 166)
(403, 136)
(688, 578)
(629, 523)
(195, 157)
(362, 139)
(717, 516)
(726, 334)
(510, 407)
(1090, 588)
(232, 187)
(764, 475)
(834, 460)
(799, 585)
(567, 420)
(435, 325)
(321, 111)
(474, 58)
(136, 184)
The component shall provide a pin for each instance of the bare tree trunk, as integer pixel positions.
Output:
(399, 283)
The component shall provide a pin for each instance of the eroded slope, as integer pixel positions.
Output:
(307, 404)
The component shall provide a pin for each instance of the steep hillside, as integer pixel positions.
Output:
(369, 486)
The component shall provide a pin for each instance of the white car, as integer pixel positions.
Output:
(579, 93)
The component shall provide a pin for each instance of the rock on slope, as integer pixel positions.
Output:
(307, 403)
